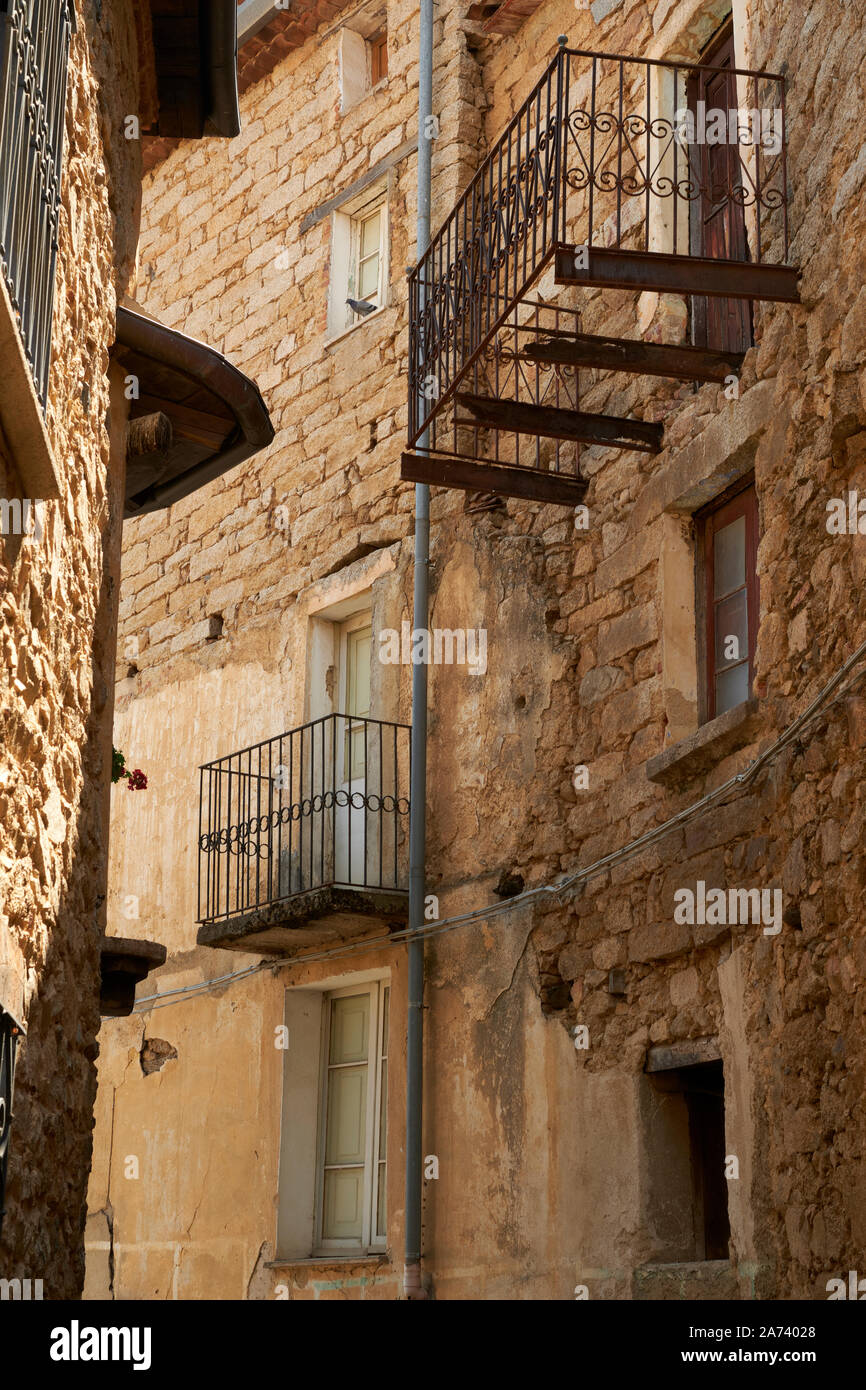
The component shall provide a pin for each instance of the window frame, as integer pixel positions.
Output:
(378, 46)
(370, 1242)
(701, 1087)
(379, 204)
(344, 277)
(726, 325)
(360, 622)
(729, 506)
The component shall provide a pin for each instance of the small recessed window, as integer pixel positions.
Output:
(363, 56)
(359, 260)
(728, 588)
(378, 58)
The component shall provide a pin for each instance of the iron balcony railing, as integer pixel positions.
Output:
(604, 154)
(323, 805)
(34, 55)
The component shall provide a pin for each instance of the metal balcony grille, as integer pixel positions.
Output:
(606, 157)
(10, 1032)
(323, 805)
(34, 54)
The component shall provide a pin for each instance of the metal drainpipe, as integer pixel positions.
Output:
(412, 1286)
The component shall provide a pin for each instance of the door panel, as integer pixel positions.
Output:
(355, 771)
(717, 221)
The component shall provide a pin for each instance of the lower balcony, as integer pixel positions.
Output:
(303, 839)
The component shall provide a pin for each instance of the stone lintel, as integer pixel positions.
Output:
(722, 453)
(690, 1053)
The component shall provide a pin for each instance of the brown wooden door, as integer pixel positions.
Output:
(717, 226)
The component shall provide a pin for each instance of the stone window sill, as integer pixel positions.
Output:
(701, 1280)
(328, 1261)
(344, 332)
(701, 751)
(21, 417)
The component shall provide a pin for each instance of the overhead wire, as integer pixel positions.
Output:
(837, 687)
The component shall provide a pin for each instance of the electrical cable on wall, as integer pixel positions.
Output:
(837, 687)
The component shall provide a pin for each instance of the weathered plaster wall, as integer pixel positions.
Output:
(59, 603)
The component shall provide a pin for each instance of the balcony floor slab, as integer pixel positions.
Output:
(320, 917)
(622, 269)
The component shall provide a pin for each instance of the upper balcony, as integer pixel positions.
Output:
(303, 839)
(617, 173)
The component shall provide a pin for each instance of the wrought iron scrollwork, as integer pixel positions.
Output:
(326, 803)
(599, 155)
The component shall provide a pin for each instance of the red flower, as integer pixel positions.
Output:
(136, 780)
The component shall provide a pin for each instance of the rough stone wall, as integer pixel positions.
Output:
(798, 828)
(251, 284)
(59, 601)
(585, 633)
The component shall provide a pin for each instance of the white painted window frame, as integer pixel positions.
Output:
(345, 257)
(370, 1242)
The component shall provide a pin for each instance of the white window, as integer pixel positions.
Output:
(334, 1130)
(363, 55)
(351, 1202)
(359, 259)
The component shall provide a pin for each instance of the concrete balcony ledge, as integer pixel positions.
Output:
(699, 1280)
(319, 917)
(699, 753)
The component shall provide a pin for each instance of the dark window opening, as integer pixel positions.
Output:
(689, 1187)
(728, 598)
(717, 222)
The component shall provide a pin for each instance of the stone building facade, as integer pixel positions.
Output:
(80, 83)
(627, 1095)
(59, 612)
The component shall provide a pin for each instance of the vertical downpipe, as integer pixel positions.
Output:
(412, 1286)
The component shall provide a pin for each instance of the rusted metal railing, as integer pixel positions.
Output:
(612, 154)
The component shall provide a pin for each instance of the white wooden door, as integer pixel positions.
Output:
(356, 645)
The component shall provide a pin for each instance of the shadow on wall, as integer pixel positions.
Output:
(55, 1079)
